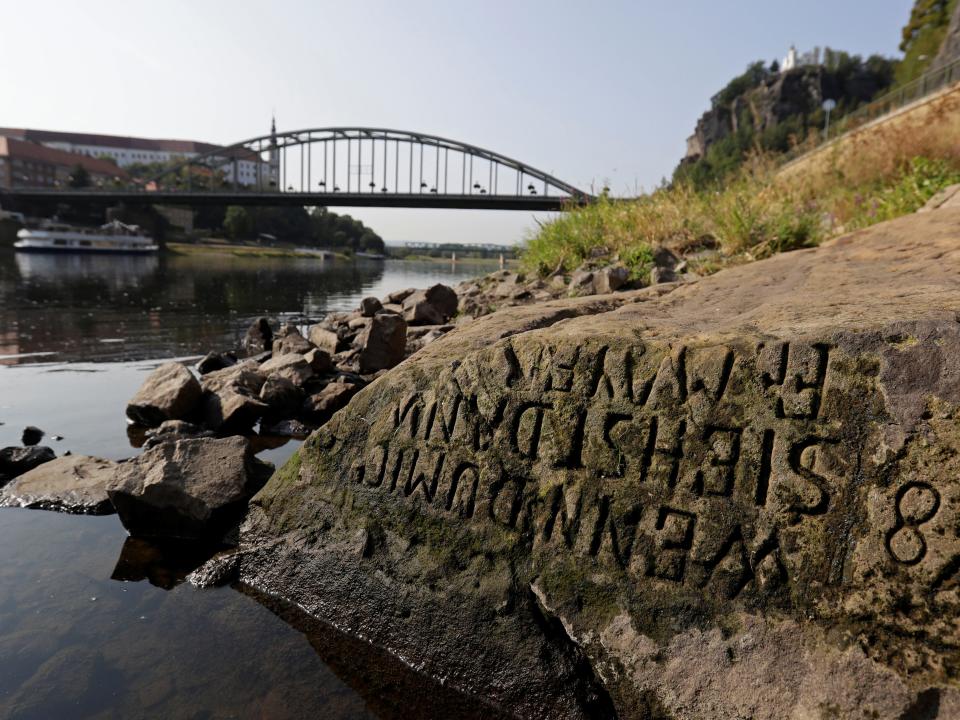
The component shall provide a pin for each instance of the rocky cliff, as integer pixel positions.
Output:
(736, 497)
(950, 50)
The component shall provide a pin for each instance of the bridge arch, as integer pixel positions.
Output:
(356, 161)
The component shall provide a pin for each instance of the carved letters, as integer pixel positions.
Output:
(660, 462)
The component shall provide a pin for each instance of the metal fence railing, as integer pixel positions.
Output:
(927, 84)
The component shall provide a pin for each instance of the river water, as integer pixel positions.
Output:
(96, 625)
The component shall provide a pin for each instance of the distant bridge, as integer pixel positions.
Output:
(338, 167)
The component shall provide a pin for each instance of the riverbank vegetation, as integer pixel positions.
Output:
(761, 209)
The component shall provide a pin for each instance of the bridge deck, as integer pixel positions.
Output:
(325, 199)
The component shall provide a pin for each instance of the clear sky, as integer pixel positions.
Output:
(601, 92)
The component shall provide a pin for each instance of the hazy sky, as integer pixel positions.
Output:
(593, 92)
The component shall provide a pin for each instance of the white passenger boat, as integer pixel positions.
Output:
(114, 237)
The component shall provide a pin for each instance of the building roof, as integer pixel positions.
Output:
(120, 142)
(17, 148)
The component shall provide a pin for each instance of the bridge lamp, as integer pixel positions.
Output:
(483, 191)
(530, 187)
(383, 189)
(336, 188)
(433, 190)
(289, 188)
(476, 186)
(422, 185)
(323, 184)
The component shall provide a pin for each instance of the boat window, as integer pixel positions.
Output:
(85, 243)
(59, 242)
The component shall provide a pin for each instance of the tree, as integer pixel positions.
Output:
(237, 223)
(79, 177)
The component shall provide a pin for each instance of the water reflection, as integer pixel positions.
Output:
(115, 271)
(130, 308)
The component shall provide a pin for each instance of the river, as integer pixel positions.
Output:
(96, 625)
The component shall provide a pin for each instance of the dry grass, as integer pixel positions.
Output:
(876, 174)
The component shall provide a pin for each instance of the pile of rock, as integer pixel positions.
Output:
(599, 275)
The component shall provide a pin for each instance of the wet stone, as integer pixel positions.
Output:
(73, 484)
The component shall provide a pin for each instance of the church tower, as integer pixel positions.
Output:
(273, 155)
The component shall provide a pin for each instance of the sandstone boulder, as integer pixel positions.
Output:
(231, 397)
(610, 279)
(290, 366)
(321, 406)
(170, 392)
(174, 430)
(731, 498)
(282, 396)
(188, 489)
(258, 338)
(15, 461)
(433, 306)
(216, 361)
(369, 306)
(289, 340)
(325, 339)
(73, 484)
(383, 343)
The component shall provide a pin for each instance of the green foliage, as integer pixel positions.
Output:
(923, 36)
(847, 79)
(917, 182)
(237, 223)
(752, 215)
(79, 177)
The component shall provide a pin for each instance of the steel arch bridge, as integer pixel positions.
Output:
(344, 166)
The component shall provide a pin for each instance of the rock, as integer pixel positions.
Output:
(947, 198)
(735, 497)
(320, 407)
(216, 361)
(291, 366)
(31, 435)
(188, 489)
(398, 296)
(433, 306)
(662, 275)
(170, 392)
(581, 281)
(393, 309)
(231, 398)
(286, 428)
(369, 306)
(282, 396)
(15, 461)
(382, 344)
(259, 337)
(174, 430)
(218, 571)
(610, 279)
(319, 361)
(358, 323)
(289, 340)
(664, 257)
(73, 484)
(324, 339)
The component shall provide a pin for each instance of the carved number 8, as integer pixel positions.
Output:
(916, 503)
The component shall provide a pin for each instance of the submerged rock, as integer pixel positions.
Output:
(736, 497)
(170, 392)
(187, 489)
(174, 430)
(31, 435)
(73, 484)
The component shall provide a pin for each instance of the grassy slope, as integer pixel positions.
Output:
(878, 175)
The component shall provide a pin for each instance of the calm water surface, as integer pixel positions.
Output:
(95, 625)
